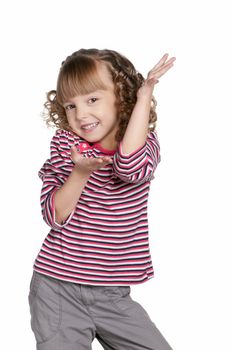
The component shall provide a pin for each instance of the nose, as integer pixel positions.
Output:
(82, 113)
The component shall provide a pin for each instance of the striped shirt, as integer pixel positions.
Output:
(104, 240)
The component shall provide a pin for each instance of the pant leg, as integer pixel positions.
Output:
(122, 323)
(59, 319)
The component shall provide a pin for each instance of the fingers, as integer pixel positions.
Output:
(74, 149)
(160, 69)
(89, 163)
(107, 159)
(103, 160)
(162, 66)
(158, 73)
(75, 155)
(97, 163)
(162, 62)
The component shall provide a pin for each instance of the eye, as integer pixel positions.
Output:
(69, 107)
(93, 99)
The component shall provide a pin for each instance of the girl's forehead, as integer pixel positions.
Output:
(104, 74)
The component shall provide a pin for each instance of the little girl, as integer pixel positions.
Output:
(94, 198)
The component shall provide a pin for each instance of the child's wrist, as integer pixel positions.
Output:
(144, 99)
(82, 172)
(144, 94)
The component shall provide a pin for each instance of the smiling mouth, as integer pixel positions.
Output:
(90, 126)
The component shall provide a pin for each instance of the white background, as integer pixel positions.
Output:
(190, 200)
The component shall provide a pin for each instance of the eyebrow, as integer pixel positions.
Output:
(91, 93)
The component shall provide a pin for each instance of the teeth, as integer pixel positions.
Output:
(89, 126)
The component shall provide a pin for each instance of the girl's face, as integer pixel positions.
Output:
(93, 117)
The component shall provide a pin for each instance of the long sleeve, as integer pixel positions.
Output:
(138, 166)
(54, 173)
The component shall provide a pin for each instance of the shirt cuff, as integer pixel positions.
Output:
(56, 224)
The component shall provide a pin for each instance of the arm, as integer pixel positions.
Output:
(139, 152)
(138, 166)
(66, 198)
(54, 173)
(137, 128)
(136, 132)
(64, 180)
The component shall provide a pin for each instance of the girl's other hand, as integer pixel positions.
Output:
(155, 73)
(89, 164)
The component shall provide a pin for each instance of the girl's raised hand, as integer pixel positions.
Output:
(155, 73)
(88, 164)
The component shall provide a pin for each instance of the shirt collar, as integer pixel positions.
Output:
(85, 146)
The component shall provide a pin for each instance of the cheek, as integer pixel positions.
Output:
(70, 117)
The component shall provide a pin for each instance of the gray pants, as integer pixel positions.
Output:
(68, 316)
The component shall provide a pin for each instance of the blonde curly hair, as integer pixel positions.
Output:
(78, 75)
